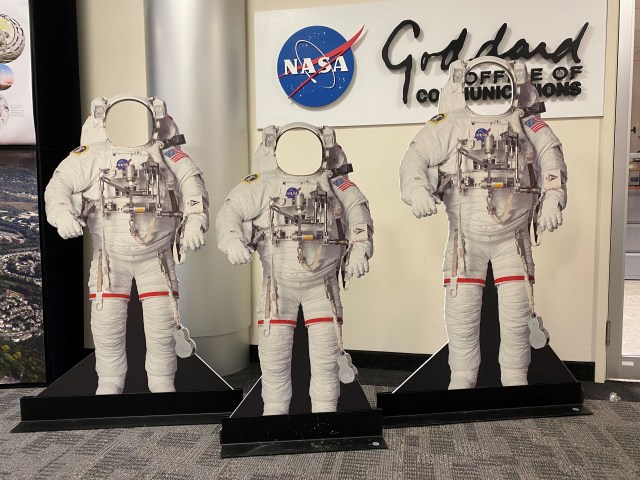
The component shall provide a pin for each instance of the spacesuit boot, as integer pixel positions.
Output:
(160, 383)
(512, 377)
(110, 385)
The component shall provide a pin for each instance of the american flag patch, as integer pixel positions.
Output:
(174, 154)
(535, 124)
(343, 183)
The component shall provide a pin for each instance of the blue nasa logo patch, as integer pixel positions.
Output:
(122, 164)
(316, 65)
(481, 134)
(292, 192)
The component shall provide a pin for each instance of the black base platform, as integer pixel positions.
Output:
(70, 403)
(302, 433)
(355, 426)
(423, 398)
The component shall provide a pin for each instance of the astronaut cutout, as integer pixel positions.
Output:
(138, 202)
(496, 174)
(301, 226)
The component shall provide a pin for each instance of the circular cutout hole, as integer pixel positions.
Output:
(489, 90)
(299, 152)
(129, 124)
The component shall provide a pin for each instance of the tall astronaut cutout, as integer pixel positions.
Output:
(496, 174)
(301, 225)
(138, 202)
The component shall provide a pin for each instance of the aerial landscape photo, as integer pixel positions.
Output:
(22, 353)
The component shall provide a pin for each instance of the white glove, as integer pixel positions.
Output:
(550, 216)
(69, 226)
(423, 204)
(193, 238)
(358, 263)
(238, 252)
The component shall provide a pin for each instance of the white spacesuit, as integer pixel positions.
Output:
(300, 226)
(495, 174)
(138, 202)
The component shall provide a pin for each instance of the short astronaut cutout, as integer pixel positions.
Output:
(496, 174)
(306, 229)
(138, 203)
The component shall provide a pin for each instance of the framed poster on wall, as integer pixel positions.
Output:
(17, 126)
(22, 346)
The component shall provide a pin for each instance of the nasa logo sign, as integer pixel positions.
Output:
(316, 65)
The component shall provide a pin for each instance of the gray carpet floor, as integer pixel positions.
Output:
(605, 445)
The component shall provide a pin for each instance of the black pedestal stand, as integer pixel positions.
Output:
(423, 398)
(70, 403)
(355, 426)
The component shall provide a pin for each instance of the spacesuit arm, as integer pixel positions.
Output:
(75, 174)
(550, 167)
(194, 197)
(246, 202)
(356, 213)
(419, 166)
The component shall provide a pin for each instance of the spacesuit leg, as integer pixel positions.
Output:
(514, 311)
(462, 316)
(159, 321)
(275, 363)
(462, 306)
(275, 343)
(109, 323)
(324, 349)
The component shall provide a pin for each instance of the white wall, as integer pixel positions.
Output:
(398, 306)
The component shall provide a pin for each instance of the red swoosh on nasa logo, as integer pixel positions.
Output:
(333, 55)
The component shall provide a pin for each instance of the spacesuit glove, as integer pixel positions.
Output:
(69, 226)
(423, 203)
(237, 252)
(194, 238)
(550, 216)
(358, 263)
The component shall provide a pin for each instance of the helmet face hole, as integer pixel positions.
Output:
(299, 152)
(129, 124)
(489, 89)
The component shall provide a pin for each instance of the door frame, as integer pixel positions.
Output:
(619, 366)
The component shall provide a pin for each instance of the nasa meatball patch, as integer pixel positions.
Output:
(80, 150)
(438, 118)
(251, 178)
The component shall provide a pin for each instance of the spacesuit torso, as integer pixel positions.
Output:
(130, 196)
(483, 201)
(299, 222)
